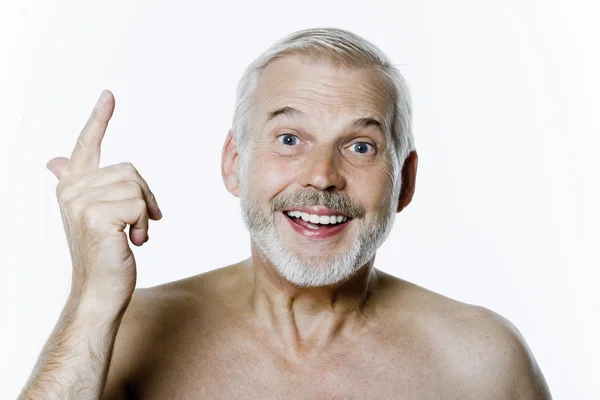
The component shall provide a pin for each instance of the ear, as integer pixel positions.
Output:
(409, 177)
(229, 159)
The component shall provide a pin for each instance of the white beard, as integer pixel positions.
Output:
(314, 270)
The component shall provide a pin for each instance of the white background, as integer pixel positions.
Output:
(506, 99)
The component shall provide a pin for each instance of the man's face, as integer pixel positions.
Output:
(317, 154)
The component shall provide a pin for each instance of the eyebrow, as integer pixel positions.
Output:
(362, 123)
(286, 112)
(359, 123)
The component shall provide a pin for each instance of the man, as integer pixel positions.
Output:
(321, 155)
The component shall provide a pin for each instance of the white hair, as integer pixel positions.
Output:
(339, 47)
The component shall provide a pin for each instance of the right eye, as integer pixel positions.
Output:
(288, 139)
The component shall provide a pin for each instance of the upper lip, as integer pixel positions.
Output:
(318, 210)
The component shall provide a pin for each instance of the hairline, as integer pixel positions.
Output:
(346, 54)
(321, 58)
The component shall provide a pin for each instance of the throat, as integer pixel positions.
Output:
(308, 320)
(303, 331)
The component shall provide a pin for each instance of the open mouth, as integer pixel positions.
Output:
(316, 225)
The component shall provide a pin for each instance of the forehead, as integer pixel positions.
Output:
(323, 90)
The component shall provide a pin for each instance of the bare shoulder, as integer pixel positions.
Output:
(151, 314)
(493, 355)
(159, 315)
(483, 350)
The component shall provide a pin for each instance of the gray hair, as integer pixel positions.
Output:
(342, 48)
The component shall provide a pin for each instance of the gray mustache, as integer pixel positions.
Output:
(310, 198)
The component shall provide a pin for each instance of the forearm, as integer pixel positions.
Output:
(74, 361)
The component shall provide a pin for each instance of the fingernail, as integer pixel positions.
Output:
(160, 213)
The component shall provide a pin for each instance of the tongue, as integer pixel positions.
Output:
(308, 225)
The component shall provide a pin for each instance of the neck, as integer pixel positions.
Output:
(307, 319)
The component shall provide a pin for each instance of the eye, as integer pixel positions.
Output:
(362, 147)
(288, 139)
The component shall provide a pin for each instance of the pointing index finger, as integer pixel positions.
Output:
(86, 154)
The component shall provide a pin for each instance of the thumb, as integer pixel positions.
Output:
(57, 166)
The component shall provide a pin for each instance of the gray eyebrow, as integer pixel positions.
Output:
(362, 123)
(285, 111)
(359, 123)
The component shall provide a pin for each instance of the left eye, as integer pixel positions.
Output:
(361, 147)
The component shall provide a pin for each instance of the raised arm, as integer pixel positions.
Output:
(96, 206)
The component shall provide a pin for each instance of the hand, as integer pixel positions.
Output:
(96, 206)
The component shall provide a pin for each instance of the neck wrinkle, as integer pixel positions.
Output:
(309, 319)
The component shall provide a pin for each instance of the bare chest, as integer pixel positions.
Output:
(229, 369)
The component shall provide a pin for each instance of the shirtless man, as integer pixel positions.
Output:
(322, 158)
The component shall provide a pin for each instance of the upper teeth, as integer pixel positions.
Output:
(318, 219)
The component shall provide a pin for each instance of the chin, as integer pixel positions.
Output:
(317, 263)
(311, 271)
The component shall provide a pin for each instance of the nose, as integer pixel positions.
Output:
(322, 171)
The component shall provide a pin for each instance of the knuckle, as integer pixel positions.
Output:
(129, 171)
(140, 204)
(81, 142)
(91, 216)
(134, 188)
(63, 195)
(85, 143)
(128, 166)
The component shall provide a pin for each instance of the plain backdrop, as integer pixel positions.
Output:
(506, 99)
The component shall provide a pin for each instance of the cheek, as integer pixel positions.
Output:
(270, 174)
(374, 187)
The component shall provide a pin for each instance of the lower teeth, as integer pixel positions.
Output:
(317, 226)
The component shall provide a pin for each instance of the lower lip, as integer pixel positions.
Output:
(321, 233)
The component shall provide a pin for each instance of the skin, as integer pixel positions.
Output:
(243, 331)
(323, 159)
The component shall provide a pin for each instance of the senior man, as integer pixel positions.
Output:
(321, 155)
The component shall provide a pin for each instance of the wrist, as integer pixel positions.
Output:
(93, 310)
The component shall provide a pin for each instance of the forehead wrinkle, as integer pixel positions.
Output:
(322, 106)
(335, 92)
(339, 119)
(362, 93)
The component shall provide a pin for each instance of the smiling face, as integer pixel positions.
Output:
(317, 185)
